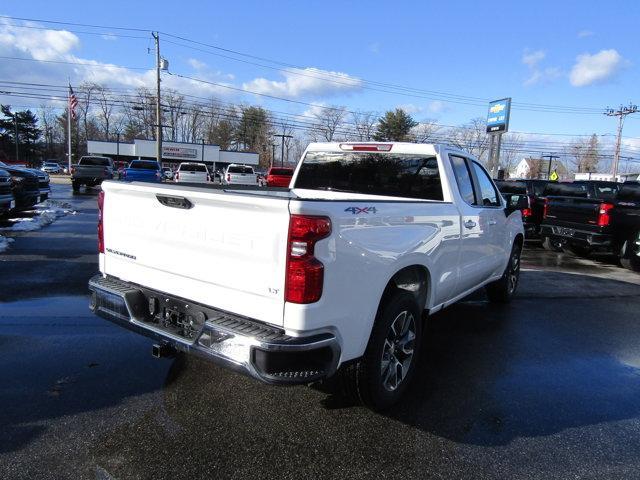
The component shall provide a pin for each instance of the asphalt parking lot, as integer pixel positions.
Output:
(547, 387)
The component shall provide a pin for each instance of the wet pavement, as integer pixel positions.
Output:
(546, 387)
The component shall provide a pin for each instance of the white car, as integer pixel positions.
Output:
(333, 276)
(192, 173)
(239, 175)
(51, 167)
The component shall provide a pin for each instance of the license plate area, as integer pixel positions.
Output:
(174, 316)
(564, 231)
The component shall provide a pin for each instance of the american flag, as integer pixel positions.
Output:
(73, 103)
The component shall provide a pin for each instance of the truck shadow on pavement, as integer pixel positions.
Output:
(489, 374)
(543, 364)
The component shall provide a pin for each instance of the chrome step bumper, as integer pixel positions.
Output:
(242, 344)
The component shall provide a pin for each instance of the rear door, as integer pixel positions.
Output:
(476, 261)
(226, 250)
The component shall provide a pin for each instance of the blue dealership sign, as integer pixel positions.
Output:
(498, 116)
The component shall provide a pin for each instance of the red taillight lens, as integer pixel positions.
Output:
(305, 273)
(101, 222)
(604, 215)
(228, 177)
(526, 212)
(546, 208)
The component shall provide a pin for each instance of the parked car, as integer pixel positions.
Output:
(584, 225)
(51, 168)
(7, 202)
(167, 173)
(192, 173)
(332, 277)
(44, 189)
(24, 185)
(90, 171)
(143, 171)
(239, 175)
(527, 196)
(279, 177)
(592, 190)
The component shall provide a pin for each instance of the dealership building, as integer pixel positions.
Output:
(173, 153)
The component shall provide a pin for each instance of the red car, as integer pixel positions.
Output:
(279, 177)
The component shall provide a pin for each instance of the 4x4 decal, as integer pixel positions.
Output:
(361, 210)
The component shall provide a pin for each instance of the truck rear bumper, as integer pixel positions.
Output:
(245, 345)
(578, 237)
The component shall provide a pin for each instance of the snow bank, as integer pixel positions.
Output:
(45, 214)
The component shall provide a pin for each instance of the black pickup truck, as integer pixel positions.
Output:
(604, 217)
(527, 196)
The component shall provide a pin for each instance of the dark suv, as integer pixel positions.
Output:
(7, 203)
(25, 186)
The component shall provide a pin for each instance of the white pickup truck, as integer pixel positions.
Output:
(334, 276)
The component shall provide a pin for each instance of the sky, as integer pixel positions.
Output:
(562, 63)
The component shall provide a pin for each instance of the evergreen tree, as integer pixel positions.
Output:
(28, 134)
(394, 126)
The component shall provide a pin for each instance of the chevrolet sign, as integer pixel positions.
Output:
(498, 117)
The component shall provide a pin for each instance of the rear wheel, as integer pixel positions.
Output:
(503, 290)
(551, 245)
(578, 250)
(629, 258)
(382, 375)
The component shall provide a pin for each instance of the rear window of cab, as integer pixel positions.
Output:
(372, 173)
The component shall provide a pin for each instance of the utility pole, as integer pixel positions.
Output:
(282, 136)
(273, 153)
(621, 113)
(15, 124)
(156, 37)
(551, 159)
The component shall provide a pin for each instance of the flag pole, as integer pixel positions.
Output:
(69, 129)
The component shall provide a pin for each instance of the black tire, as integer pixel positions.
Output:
(551, 245)
(366, 380)
(75, 186)
(629, 258)
(578, 250)
(503, 290)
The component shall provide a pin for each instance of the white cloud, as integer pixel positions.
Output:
(596, 68)
(433, 107)
(196, 64)
(538, 73)
(531, 59)
(585, 33)
(304, 82)
(109, 37)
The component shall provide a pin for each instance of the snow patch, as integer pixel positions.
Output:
(46, 213)
(4, 243)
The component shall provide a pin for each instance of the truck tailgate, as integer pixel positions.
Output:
(227, 251)
(573, 211)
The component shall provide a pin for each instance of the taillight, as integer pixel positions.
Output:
(545, 211)
(101, 222)
(305, 273)
(177, 175)
(366, 147)
(604, 217)
(527, 212)
(228, 177)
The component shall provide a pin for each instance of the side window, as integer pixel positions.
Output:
(488, 193)
(463, 179)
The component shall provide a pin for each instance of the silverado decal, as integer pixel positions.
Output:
(359, 210)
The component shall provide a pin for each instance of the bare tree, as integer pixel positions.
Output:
(86, 91)
(425, 132)
(105, 112)
(50, 127)
(512, 148)
(584, 154)
(141, 116)
(471, 137)
(365, 125)
(327, 122)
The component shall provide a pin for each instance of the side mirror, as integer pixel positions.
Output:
(515, 202)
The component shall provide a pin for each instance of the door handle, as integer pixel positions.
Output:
(469, 224)
(492, 222)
